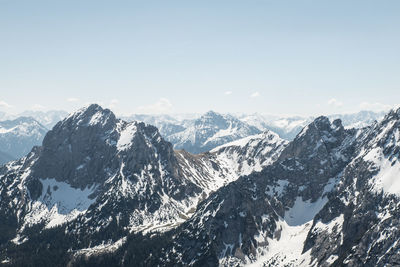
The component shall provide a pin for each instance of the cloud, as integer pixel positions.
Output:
(113, 103)
(335, 103)
(72, 99)
(374, 106)
(228, 92)
(255, 94)
(4, 104)
(38, 107)
(163, 105)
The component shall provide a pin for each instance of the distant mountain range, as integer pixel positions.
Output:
(101, 191)
(18, 136)
(46, 118)
(205, 132)
(191, 132)
(19, 133)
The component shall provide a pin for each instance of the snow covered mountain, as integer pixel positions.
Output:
(17, 137)
(166, 124)
(289, 127)
(47, 118)
(102, 177)
(209, 131)
(286, 128)
(329, 200)
(102, 192)
(197, 134)
(251, 153)
(360, 119)
(258, 217)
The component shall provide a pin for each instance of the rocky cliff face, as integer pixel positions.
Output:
(361, 219)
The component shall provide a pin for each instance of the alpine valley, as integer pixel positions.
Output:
(103, 191)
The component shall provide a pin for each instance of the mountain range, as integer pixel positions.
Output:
(18, 136)
(101, 191)
(191, 132)
(46, 118)
(19, 133)
(204, 132)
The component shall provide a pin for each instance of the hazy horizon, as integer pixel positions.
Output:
(191, 114)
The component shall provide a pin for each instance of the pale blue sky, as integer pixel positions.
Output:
(280, 57)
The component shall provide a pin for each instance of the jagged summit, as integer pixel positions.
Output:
(322, 125)
(85, 146)
(90, 115)
(393, 114)
(318, 138)
(211, 113)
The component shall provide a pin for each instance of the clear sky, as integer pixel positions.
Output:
(280, 57)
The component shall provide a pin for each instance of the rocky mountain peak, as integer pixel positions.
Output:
(323, 125)
(211, 113)
(393, 115)
(78, 148)
(211, 118)
(91, 115)
(317, 138)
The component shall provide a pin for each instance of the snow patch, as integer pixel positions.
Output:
(303, 211)
(126, 137)
(58, 203)
(387, 179)
(285, 249)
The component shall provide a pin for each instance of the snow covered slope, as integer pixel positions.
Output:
(228, 162)
(251, 153)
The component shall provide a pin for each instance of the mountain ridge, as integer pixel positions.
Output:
(318, 200)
